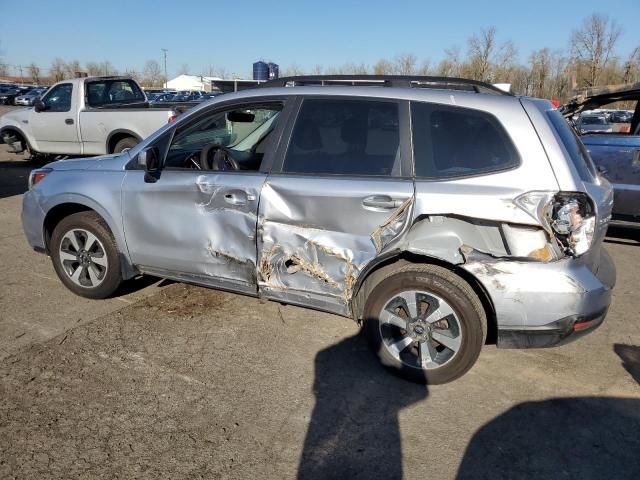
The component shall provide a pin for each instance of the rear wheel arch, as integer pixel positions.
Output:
(381, 268)
(118, 135)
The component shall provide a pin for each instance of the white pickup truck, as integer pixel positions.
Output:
(84, 116)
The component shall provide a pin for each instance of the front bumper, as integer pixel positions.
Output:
(33, 221)
(545, 304)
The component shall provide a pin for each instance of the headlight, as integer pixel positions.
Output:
(37, 175)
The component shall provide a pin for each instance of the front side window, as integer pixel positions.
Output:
(233, 139)
(107, 93)
(59, 98)
(458, 142)
(345, 137)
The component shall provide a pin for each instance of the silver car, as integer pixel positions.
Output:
(440, 213)
(593, 123)
(28, 98)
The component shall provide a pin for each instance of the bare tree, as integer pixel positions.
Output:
(450, 65)
(184, 69)
(317, 70)
(58, 70)
(93, 69)
(71, 68)
(152, 75)
(592, 46)
(292, 70)
(481, 49)
(383, 67)
(424, 68)
(34, 73)
(631, 71)
(404, 64)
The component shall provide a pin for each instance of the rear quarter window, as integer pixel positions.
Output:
(459, 142)
(573, 145)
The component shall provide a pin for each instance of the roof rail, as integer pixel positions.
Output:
(406, 81)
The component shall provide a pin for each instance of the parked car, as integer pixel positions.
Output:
(617, 154)
(29, 97)
(8, 95)
(163, 97)
(84, 116)
(436, 217)
(593, 123)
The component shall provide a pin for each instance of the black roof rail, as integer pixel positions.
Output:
(406, 81)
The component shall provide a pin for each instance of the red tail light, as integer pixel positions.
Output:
(172, 116)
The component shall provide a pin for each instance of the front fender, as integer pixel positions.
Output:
(102, 196)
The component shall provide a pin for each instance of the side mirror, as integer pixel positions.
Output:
(149, 160)
(38, 105)
(601, 170)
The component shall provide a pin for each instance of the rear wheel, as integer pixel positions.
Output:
(425, 323)
(125, 144)
(85, 255)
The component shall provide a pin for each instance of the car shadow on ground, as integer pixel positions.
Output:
(354, 430)
(579, 437)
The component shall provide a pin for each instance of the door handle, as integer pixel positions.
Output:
(238, 197)
(383, 202)
(69, 121)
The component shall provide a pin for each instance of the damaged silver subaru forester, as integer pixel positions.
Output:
(441, 213)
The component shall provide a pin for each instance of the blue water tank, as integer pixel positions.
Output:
(260, 71)
(274, 70)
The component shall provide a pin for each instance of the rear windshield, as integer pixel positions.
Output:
(106, 93)
(578, 154)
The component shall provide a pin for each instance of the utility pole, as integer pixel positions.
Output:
(164, 54)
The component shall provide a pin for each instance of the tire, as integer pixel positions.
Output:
(96, 272)
(124, 144)
(408, 344)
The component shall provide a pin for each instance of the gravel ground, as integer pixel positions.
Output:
(175, 381)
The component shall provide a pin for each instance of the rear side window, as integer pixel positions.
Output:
(458, 142)
(577, 153)
(341, 137)
(110, 92)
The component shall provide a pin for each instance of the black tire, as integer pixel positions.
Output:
(449, 287)
(125, 143)
(93, 223)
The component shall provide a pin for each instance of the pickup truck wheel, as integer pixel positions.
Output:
(425, 323)
(125, 144)
(85, 255)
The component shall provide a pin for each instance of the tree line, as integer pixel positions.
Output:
(589, 60)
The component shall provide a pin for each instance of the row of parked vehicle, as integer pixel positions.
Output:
(169, 96)
(12, 94)
(604, 121)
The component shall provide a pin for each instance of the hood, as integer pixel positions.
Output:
(114, 161)
(594, 97)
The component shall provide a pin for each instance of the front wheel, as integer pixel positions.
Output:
(425, 323)
(85, 255)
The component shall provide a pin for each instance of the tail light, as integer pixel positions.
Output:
(573, 220)
(172, 116)
(568, 217)
(37, 175)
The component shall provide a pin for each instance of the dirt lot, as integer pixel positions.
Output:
(174, 381)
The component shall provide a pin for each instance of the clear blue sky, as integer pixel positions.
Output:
(234, 34)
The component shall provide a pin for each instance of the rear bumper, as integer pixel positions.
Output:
(547, 304)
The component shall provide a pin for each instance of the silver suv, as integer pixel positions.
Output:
(441, 213)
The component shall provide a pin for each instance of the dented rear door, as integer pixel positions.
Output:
(340, 194)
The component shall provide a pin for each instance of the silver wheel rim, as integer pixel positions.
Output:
(420, 329)
(83, 258)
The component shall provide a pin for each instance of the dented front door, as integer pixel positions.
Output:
(325, 215)
(194, 225)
